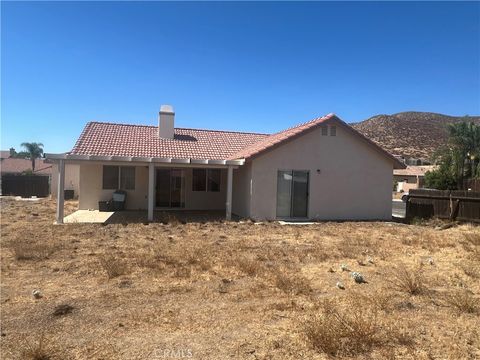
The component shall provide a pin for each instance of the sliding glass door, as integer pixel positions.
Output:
(170, 188)
(292, 194)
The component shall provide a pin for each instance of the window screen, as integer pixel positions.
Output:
(324, 130)
(127, 177)
(333, 131)
(213, 180)
(110, 177)
(199, 180)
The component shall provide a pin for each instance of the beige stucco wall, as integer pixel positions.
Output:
(241, 190)
(72, 179)
(91, 188)
(354, 182)
(91, 191)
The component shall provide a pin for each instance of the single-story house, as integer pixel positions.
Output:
(322, 169)
(412, 177)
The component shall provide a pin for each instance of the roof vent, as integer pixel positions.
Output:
(166, 119)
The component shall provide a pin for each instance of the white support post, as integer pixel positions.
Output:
(60, 190)
(229, 193)
(151, 187)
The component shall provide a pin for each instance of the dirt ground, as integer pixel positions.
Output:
(235, 290)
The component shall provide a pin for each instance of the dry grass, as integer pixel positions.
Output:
(114, 266)
(350, 326)
(235, 289)
(409, 280)
(463, 301)
(294, 285)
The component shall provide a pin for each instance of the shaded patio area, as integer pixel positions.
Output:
(127, 216)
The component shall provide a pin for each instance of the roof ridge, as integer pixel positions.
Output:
(180, 128)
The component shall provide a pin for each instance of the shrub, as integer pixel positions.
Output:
(114, 266)
(351, 326)
(410, 281)
(29, 251)
(462, 300)
(295, 285)
(249, 266)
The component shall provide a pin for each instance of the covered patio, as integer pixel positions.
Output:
(148, 181)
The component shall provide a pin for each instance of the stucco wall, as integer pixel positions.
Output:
(354, 180)
(91, 189)
(241, 187)
(72, 179)
(204, 200)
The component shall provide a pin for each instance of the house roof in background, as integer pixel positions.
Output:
(18, 166)
(107, 139)
(414, 170)
(4, 154)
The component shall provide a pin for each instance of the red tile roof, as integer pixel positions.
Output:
(18, 166)
(106, 139)
(277, 138)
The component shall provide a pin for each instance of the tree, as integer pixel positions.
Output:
(35, 150)
(464, 140)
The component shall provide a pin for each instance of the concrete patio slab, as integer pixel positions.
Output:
(88, 216)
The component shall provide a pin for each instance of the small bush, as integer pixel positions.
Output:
(351, 326)
(407, 280)
(113, 266)
(295, 285)
(249, 266)
(38, 350)
(463, 301)
(29, 251)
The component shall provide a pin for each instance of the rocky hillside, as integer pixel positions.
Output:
(411, 134)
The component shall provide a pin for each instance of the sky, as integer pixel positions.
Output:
(254, 66)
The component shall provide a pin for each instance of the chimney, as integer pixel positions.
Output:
(166, 118)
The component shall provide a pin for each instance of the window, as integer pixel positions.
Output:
(199, 180)
(333, 130)
(324, 130)
(213, 176)
(206, 180)
(118, 177)
(127, 177)
(110, 177)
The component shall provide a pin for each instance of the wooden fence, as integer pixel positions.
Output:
(26, 185)
(445, 204)
(472, 184)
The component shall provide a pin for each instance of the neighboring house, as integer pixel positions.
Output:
(322, 169)
(412, 177)
(17, 177)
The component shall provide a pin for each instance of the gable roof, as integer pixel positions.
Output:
(107, 139)
(18, 166)
(289, 134)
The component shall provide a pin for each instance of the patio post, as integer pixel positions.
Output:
(60, 191)
(229, 193)
(151, 184)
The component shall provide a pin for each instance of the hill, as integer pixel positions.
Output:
(411, 134)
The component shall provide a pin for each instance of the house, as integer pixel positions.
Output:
(322, 169)
(412, 177)
(72, 180)
(17, 177)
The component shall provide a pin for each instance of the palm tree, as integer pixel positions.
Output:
(35, 150)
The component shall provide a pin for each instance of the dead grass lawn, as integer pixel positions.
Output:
(235, 290)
